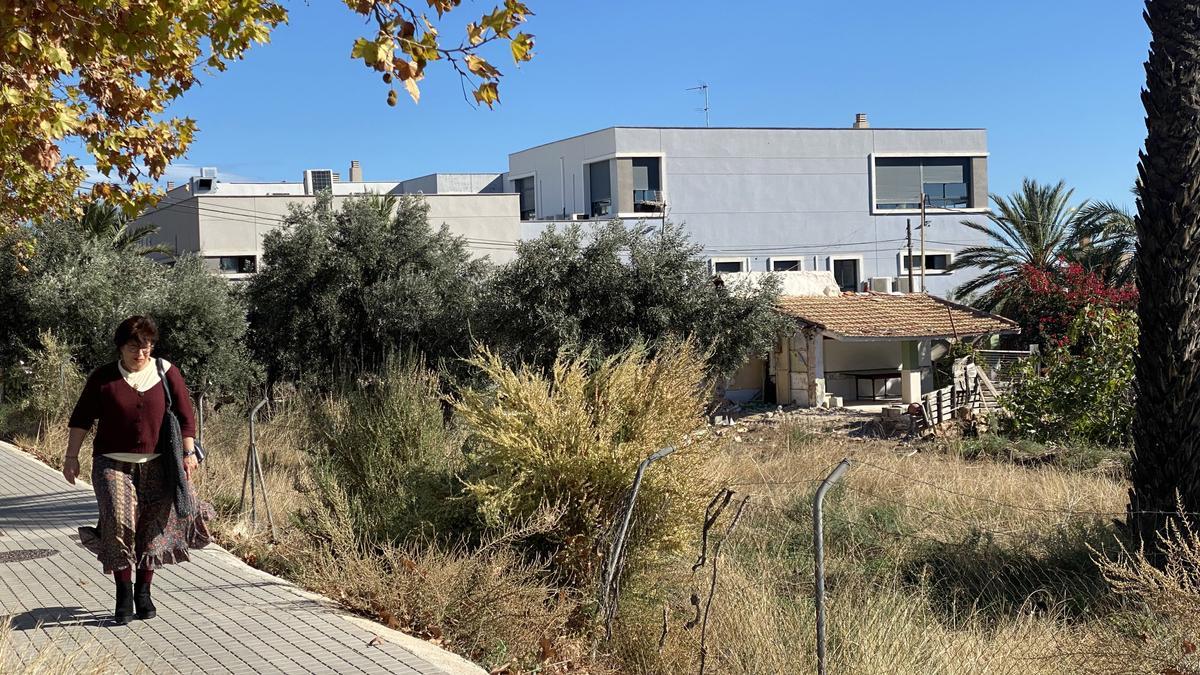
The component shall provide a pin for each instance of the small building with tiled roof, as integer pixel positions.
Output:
(858, 346)
(892, 316)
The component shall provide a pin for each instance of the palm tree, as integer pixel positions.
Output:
(109, 223)
(1166, 458)
(1106, 240)
(1033, 226)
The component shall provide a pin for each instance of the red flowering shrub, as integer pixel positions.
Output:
(1046, 302)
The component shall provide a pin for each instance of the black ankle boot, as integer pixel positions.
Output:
(124, 610)
(141, 597)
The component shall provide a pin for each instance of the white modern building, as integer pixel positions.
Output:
(224, 222)
(756, 199)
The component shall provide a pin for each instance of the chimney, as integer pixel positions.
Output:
(170, 185)
(355, 171)
(860, 121)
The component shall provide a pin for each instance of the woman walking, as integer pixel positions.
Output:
(142, 525)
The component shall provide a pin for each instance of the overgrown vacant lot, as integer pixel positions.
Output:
(935, 564)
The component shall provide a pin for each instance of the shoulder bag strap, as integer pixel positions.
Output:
(166, 388)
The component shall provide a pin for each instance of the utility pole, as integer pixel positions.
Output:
(702, 88)
(923, 224)
(908, 236)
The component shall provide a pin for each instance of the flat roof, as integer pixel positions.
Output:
(697, 128)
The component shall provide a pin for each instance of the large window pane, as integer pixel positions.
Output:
(524, 188)
(600, 188)
(846, 274)
(899, 182)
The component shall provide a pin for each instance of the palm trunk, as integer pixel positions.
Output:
(1167, 428)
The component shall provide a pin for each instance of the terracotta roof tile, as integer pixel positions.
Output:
(884, 315)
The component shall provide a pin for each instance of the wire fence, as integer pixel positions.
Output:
(967, 565)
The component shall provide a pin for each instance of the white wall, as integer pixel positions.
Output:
(220, 226)
(762, 193)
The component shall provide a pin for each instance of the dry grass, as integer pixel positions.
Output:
(935, 565)
(49, 658)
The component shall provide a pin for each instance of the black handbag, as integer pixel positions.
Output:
(170, 448)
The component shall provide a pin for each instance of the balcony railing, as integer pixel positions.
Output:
(648, 200)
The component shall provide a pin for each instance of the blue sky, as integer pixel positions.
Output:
(1056, 84)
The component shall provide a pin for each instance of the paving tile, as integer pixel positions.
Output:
(215, 614)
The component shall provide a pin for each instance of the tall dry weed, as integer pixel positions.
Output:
(572, 439)
(485, 600)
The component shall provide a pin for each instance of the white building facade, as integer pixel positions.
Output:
(225, 222)
(839, 200)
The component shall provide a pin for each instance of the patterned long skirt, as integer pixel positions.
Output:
(138, 525)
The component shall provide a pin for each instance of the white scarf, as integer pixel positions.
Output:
(142, 380)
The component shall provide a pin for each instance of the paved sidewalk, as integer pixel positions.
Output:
(215, 614)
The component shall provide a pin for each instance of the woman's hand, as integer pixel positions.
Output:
(189, 465)
(70, 468)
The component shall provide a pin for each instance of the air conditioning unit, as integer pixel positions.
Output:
(903, 287)
(208, 172)
(880, 284)
(316, 180)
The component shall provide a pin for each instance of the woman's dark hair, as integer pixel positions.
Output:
(136, 328)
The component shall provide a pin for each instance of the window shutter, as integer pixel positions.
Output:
(944, 171)
(897, 182)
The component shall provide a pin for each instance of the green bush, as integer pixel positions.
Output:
(44, 388)
(343, 289)
(380, 441)
(615, 286)
(1085, 390)
(571, 440)
(81, 289)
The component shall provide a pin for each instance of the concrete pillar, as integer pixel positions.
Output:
(817, 372)
(910, 373)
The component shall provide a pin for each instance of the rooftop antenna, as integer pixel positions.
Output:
(703, 87)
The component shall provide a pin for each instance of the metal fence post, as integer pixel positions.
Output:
(819, 556)
(607, 591)
(253, 474)
(200, 420)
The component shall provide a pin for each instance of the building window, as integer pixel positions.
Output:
(786, 265)
(524, 188)
(934, 262)
(647, 185)
(846, 271)
(232, 264)
(600, 189)
(945, 181)
(727, 265)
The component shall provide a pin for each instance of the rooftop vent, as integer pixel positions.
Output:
(860, 121)
(208, 172)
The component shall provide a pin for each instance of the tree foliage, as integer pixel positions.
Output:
(1085, 389)
(608, 289)
(81, 288)
(1045, 302)
(342, 290)
(101, 74)
(1033, 227)
(108, 223)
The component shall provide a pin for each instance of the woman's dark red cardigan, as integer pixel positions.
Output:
(129, 420)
